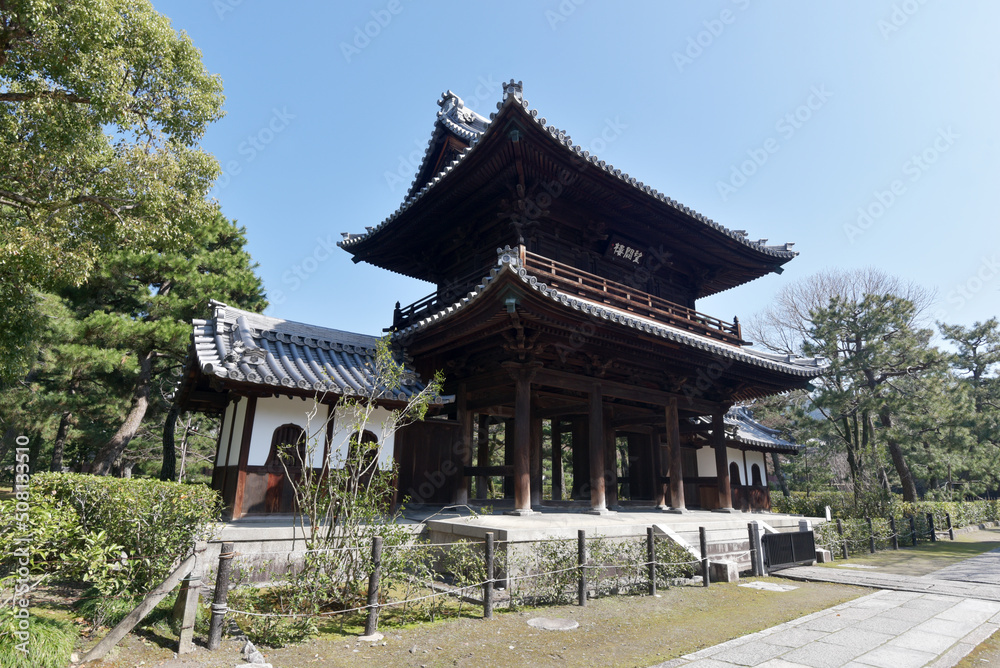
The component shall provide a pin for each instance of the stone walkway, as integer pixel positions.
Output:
(933, 621)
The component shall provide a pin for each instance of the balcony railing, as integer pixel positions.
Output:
(590, 287)
(593, 288)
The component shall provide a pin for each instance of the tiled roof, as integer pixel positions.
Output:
(508, 262)
(470, 126)
(253, 348)
(742, 428)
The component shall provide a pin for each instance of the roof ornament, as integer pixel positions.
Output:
(514, 89)
(453, 107)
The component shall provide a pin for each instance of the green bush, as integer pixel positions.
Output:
(153, 522)
(119, 535)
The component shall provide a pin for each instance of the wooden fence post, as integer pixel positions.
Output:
(843, 542)
(371, 625)
(143, 609)
(913, 530)
(488, 585)
(184, 612)
(951, 529)
(706, 577)
(871, 535)
(651, 558)
(581, 560)
(930, 524)
(895, 536)
(221, 596)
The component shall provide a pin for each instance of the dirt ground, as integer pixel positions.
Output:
(613, 631)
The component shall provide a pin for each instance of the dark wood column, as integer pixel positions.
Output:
(581, 459)
(536, 458)
(483, 455)
(461, 495)
(721, 460)
(676, 461)
(610, 459)
(598, 502)
(557, 464)
(522, 375)
(508, 456)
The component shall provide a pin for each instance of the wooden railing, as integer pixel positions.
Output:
(590, 287)
(593, 288)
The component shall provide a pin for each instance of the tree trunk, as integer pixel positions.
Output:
(779, 474)
(168, 469)
(113, 449)
(60, 444)
(899, 461)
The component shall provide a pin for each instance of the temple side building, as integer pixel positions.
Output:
(565, 302)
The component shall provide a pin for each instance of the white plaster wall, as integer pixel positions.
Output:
(758, 459)
(227, 421)
(236, 438)
(343, 427)
(706, 462)
(271, 413)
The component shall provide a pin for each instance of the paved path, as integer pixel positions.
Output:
(933, 621)
(935, 583)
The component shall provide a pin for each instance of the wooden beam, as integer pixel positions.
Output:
(483, 455)
(461, 495)
(676, 461)
(244, 454)
(598, 502)
(555, 429)
(721, 458)
(570, 381)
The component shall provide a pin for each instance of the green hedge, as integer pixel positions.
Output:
(119, 534)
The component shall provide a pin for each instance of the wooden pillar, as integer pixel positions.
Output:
(461, 494)
(536, 458)
(721, 459)
(581, 459)
(610, 459)
(676, 460)
(557, 464)
(483, 454)
(598, 502)
(523, 460)
(508, 456)
(244, 454)
(657, 470)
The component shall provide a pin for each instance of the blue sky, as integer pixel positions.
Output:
(864, 131)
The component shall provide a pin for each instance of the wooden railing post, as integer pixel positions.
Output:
(651, 558)
(706, 577)
(488, 585)
(581, 560)
(371, 625)
(843, 542)
(221, 596)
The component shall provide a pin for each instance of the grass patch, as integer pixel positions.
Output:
(927, 557)
(53, 636)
